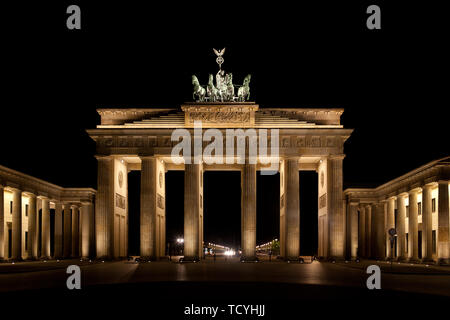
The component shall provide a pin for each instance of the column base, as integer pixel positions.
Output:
(443, 261)
(31, 259)
(249, 259)
(413, 260)
(44, 258)
(428, 261)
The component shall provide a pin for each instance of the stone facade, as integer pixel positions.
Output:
(140, 139)
(415, 204)
(25, 214)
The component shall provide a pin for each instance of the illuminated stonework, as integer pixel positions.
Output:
(415, 204)
(140, 139)
(24, 198)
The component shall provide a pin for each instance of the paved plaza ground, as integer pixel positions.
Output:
(168, 287)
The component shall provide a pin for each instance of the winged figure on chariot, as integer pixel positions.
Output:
(224, 89)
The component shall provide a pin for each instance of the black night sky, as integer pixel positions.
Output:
(392, 83)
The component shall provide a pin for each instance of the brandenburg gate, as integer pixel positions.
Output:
(145, 139)
(406, 218)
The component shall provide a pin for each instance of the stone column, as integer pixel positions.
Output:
(292, 200)
(45, 237)
(16, 253)
(58, 230)
(67, 231)
(401, 227)
(390, 223)
(87, 229)
(148, 208)
(336, 214)
(369, 231)
(75, 231)
(32, 243)
(413, 228)
(104, 207)
(192, 209)
(352, 230)
(373, 231)
(2, 224)
(379, 228)
(362, 231)
(443, 224)
(34, 236)
(427, 224)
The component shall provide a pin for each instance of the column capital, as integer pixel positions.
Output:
(14, 189)
(30, 194)
(428, 186)
(392, 198)
(402, 195)
(415, 190)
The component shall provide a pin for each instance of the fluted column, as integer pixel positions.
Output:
(369, 231)
(58, 230)
(16, 253)
(379, 228)
(32, 243)
(413, 228)
(2, 223)
(390, 223)
(373, 231)
(336, 214)
(104, 207)
(45, 232)
(192, 190)
(352, 230)
(67, 231)
(148, 208)
(443, 223)
(427, 224)
(75, 231)
(87, 228)
(362, 231)
(401, 227)
(292, 209)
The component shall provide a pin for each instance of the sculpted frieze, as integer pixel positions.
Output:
(219, 117)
